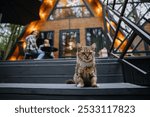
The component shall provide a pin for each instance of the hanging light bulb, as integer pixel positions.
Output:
(98, 10)
(89, 1)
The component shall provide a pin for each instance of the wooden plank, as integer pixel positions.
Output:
(71, 89)
(67, 91)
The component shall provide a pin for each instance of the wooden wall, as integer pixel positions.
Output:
(77, 23)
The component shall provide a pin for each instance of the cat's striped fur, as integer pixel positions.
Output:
(85, 71)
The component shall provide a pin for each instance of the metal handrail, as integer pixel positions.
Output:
(136, 31)
(130, 64)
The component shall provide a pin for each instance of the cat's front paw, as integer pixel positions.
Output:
(94, 85)
(80, 85)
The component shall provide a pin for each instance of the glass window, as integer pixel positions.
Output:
(95, 35)
(69, 3)
(46, 35)
(68, 40)
(70, 9)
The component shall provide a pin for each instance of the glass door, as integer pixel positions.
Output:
(95, 35)
(46, 35)
(68, 41)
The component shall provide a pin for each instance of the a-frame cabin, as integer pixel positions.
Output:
(125, 74)
(82, 19)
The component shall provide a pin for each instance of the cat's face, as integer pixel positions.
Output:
(86, 53)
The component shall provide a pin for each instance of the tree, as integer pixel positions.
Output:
(8, 36)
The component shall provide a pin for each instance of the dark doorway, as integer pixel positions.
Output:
(68, 41)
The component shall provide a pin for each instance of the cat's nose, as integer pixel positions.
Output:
(86, 55)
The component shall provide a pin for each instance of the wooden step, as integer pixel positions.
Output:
(70, 91)
(56, 71)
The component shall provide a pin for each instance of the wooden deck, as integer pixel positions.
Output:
(45, 79)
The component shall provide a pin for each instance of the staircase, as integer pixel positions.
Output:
(45, 79)
(56, 71)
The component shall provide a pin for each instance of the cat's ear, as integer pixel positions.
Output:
(93, 46)
(79, 46)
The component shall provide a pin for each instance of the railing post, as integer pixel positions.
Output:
(129, 42)
(114, 4)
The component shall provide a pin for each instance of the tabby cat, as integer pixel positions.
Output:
(85, 71)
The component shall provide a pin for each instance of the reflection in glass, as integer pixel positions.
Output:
(46, 35)
(69, 3)
(70, 9)
(68, 43)
(95, 35)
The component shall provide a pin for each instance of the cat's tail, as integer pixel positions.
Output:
(70, 81)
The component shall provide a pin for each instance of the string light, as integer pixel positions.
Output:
(48, 2)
